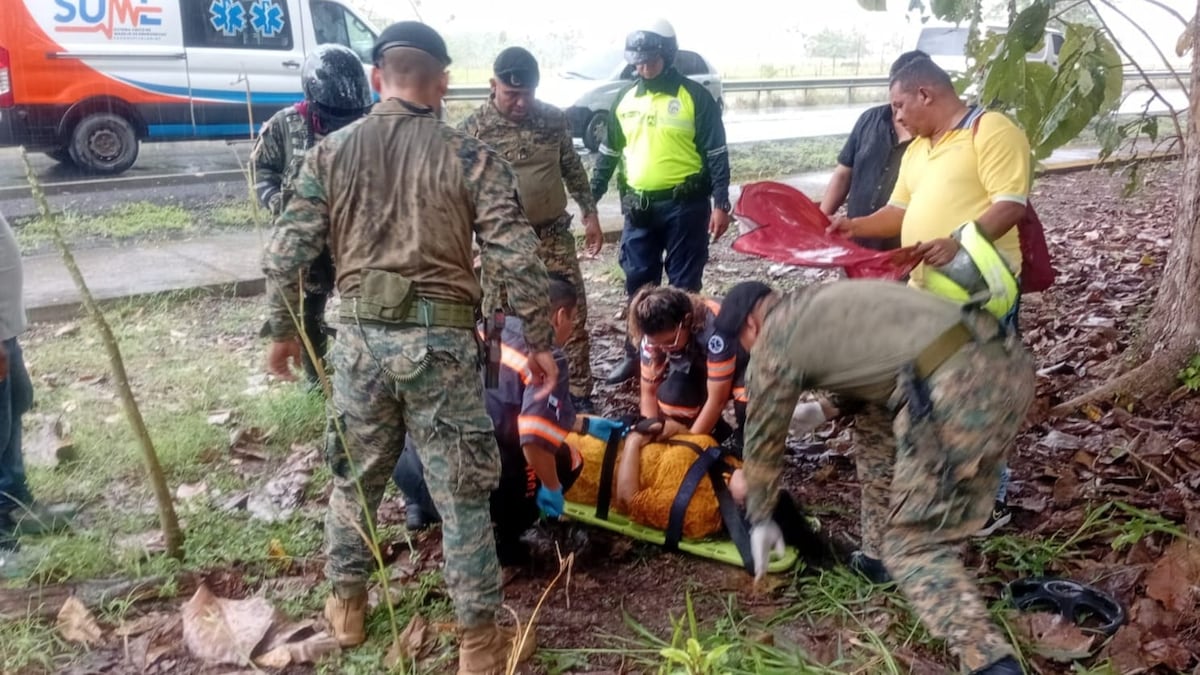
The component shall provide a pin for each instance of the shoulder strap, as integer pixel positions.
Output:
(709, 463)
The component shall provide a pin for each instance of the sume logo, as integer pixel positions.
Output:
(107, 17)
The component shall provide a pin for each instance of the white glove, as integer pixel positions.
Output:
(806, 418)
(765, 538)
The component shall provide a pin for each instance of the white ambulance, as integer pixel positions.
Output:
(86, 80)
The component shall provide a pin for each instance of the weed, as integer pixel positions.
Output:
(1190, 375)
(28, 645)
(774, 159)
(137, 219)
(236, 214)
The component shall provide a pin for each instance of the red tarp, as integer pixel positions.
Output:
(791, 229)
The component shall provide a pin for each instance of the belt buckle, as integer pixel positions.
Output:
(643, 201)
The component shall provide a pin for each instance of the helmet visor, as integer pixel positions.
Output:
(643, 47)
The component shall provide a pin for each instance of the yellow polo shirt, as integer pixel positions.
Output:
(943, 185)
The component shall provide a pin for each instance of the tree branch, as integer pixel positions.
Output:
(1135, 24)
(1133, 62)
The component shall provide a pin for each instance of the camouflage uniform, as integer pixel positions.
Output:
(400, 193)
(927, 485)
(542, 152)
(277, 156)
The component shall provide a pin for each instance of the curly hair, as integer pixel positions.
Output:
(657, 309)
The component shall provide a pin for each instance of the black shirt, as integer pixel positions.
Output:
(874, 152)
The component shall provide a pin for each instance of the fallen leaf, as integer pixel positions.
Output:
(145, 543)
(277, 553)
(1167, 652)
(280, 496)
(225, 631)
(1173, 577)
(1125, 650)
(410, 645)
(188, 491)
(1060, 441)
(48, 445)
(1093, 413)
(76, 623)
(294, 643)
(68, 329)
(1055, 637)
(144, 624)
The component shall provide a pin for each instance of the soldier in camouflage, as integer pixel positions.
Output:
(534, 137)
(336, 93)
(399, 197)
(952, 386)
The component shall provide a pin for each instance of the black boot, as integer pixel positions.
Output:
(628, 368)
(871, 568)
(1005, 666)
(415, 518)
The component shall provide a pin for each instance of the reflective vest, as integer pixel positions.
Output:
(660, 138)
(977, 269)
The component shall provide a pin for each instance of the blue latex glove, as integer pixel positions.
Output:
(604, 429)
(550, 502)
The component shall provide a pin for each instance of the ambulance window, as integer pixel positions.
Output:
(237, 24)
(333, 24)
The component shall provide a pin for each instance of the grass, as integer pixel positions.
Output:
(187, 356)
(773, 159)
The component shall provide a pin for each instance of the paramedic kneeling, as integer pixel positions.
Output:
(945, 390)
(536, 464)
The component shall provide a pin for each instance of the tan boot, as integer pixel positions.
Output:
(347, 619)
(484, 650)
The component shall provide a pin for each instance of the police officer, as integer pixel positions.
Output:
(945, 390)
(666, 134)
(399, 197)
(534, 137)
(336, 92)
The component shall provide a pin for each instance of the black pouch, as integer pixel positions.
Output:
(384, 296)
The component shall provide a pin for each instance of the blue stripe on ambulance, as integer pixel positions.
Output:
(217, 95)
(189, 131)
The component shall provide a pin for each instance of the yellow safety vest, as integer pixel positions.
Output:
(660, 138)
(1002, 286)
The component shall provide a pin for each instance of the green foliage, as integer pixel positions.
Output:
(1190, 375)
(1051, 105)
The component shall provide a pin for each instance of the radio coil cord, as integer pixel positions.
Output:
(395, 377)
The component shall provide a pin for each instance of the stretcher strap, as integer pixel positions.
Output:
(607, 466)
(709, 463)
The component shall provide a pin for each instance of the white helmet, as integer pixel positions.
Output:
(655, 39)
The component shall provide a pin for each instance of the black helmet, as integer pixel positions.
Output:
(656, 39)
(333, 78)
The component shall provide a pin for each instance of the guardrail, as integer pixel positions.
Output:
(850, 83)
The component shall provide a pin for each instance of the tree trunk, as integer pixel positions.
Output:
(1173, 329)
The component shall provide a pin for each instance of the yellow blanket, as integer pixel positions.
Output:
(664, 466)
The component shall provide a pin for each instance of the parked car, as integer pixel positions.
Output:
(587, 87)
(947, 46)
(85, 81)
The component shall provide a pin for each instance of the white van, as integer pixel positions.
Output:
(86, 80)
(946, 45)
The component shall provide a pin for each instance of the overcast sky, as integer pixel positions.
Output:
(756, 30)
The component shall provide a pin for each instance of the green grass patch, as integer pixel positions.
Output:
(240, 214)
(775, 159)
(137, 219)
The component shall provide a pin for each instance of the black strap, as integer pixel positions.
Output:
(709, 462)
(607, 468)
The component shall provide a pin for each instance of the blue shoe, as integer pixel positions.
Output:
(1005, 666)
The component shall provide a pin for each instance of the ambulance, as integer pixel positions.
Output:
(86, 81)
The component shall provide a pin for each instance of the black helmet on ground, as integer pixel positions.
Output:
(333, 77)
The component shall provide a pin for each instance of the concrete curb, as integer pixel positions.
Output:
(68, 311)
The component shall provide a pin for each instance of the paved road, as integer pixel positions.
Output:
(209, 170)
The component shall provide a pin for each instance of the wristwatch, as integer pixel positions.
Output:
(724, 206)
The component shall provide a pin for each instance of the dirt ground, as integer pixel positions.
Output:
(1109, 252)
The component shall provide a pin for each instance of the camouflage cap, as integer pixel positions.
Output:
(516, 67)
(414, 35)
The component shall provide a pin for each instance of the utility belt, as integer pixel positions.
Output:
(913, 385)
(695, 185)
(422, 313)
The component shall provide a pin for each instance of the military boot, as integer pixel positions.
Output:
(484, 650)
(347, 619)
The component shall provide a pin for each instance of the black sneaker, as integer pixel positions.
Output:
(628, 368)
(583, 404)
(871, 568)
(1001, 516)
(1005, 666)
